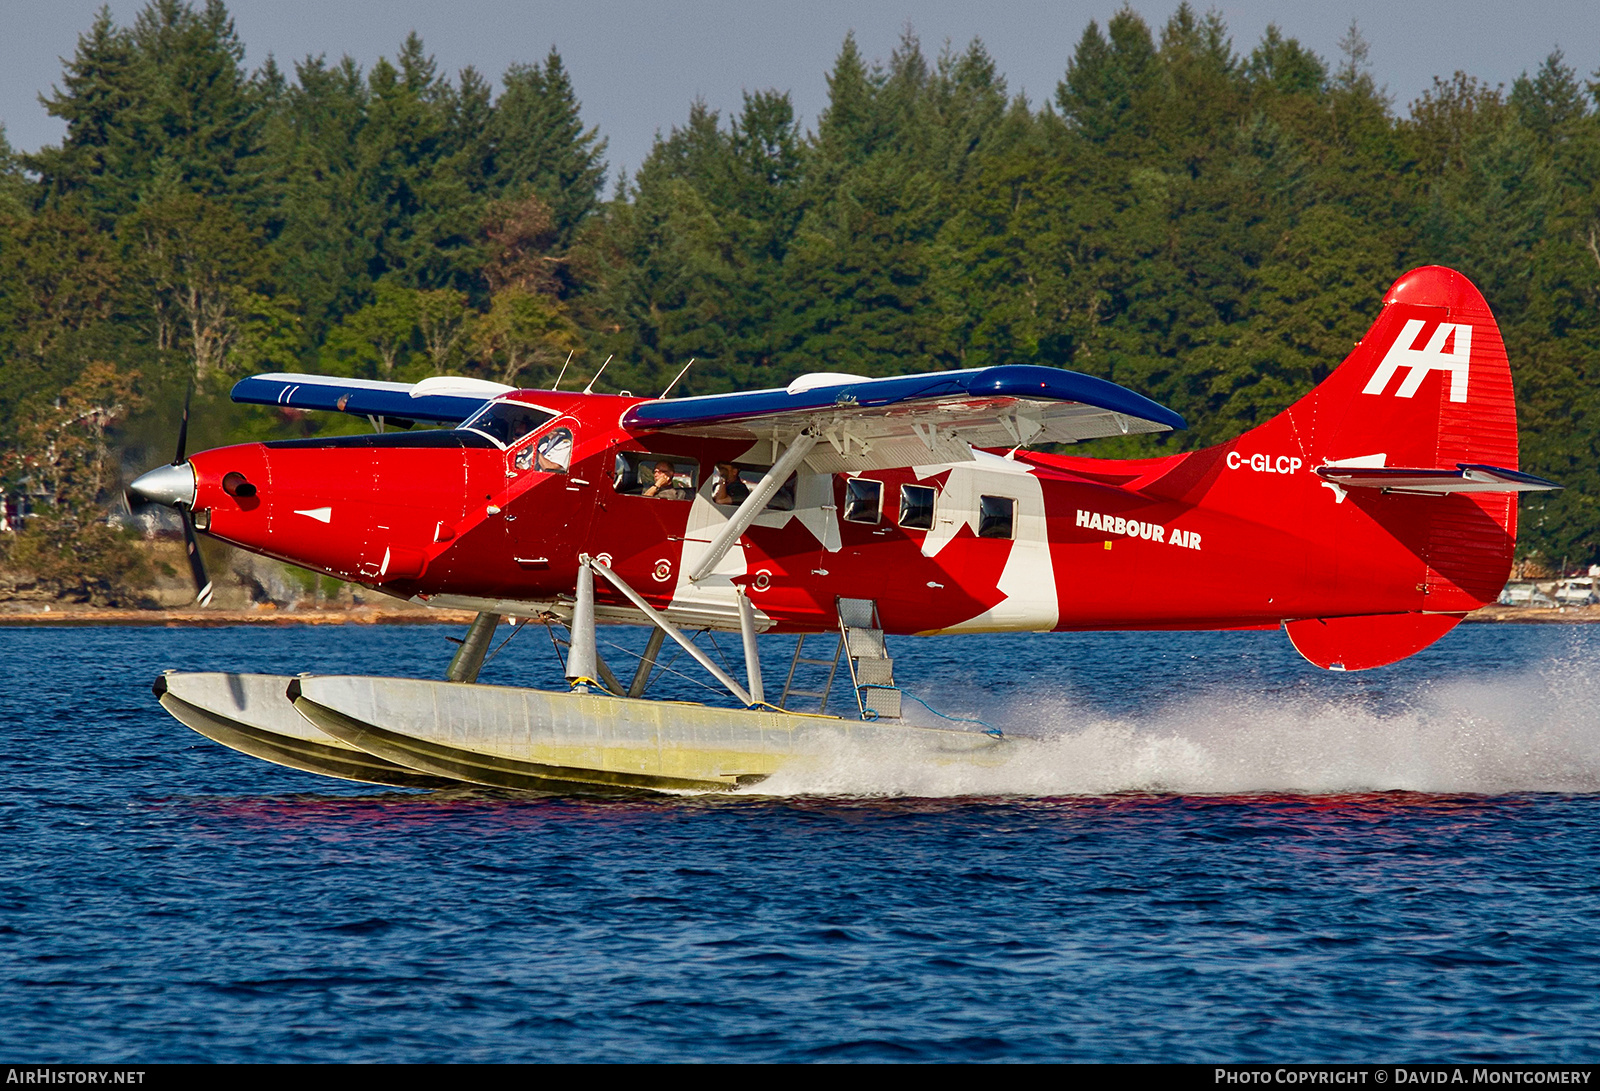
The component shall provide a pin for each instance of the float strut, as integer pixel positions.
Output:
(647, 663)
(582, 657)
(468, 659)
(605, 674)
(752, 656)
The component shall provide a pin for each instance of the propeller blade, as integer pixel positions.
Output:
(183, 427)
(197, 566)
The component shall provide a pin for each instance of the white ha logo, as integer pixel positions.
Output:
(1403, 353)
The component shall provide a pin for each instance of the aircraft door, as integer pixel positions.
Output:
(547, 520)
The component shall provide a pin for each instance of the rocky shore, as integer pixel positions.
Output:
(405, 613)
(248, 590)
(401, 613)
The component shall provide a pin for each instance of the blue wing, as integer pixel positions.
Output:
(916, 419)
(443, 399)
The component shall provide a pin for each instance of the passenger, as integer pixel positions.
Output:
(730, 490)
(664, 488)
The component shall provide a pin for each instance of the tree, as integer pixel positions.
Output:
(1283, 66)
(64, 450)
(520, 251)
(524, 329)
(61, 284)
(60, 276)
(197, 261)
(445, 323)
(100, 89)
(375, 342)
(400, 146)
(16, 191)
(848, 128)
(326, 226)
(161, 107)
(63, 456)
(1448, 118)
(1106, 78)
(539, 144)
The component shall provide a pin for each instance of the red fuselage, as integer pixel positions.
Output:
(1241, 535)
(1366, 518)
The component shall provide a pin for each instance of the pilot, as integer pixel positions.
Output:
(555, 451)
(663, 487)
(729, 490)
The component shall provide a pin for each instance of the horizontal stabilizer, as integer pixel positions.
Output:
(911, 420)
(1464, 478)
(1361, 643)
(445, 399)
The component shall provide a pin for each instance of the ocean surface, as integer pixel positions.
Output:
(1191, 847)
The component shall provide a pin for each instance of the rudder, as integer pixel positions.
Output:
(1417, 431)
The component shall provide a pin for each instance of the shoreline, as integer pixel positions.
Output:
(56, 616)
(73, 616)
(1536, 615)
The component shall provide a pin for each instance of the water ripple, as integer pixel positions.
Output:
(1194, 847)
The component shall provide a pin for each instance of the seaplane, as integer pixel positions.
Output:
(1365, 520)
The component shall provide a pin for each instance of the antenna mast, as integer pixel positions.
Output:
(597, 375)
(675, 379)
(557, 385)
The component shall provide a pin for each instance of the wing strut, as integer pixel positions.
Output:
(753, 504)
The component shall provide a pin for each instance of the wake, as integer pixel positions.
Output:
(1536, 732)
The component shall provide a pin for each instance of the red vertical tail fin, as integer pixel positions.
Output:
(1428, 386)
(1396, 430)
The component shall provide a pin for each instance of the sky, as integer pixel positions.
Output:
(638, 64)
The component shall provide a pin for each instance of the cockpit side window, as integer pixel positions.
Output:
(550, 453)
(507, 422)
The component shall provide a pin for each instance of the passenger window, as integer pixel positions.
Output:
(916, 507)
(783, 499)
(550, 453)
(732, 482)
(863, 500)
(660, 477)
(996, 514)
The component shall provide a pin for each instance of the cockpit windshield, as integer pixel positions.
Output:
(506, 422)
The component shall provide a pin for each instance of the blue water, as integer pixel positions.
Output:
(1194, 847)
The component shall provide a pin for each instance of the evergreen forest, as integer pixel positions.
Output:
(1207, 222)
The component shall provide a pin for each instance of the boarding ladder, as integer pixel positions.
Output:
(871, 669)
